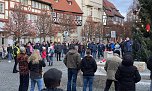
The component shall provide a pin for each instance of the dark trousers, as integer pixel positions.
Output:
(108, 84)
(24, 82)
(15, 65)
(72, 78)
(59, 56)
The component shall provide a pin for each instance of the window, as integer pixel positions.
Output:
(33, 4)
(56, 0)
(69, 2)
(79, 18)
(40, 6)
(25, 2)
(1, 7)
(53, 14)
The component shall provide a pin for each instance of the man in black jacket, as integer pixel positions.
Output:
(88, 67)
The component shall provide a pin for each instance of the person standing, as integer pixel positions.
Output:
(35, 66)
(127, 74)
(16, 51)
(22, 59)
(149, 66)
(9, 51)
(111, 67)
(50, 55)
(72, 61)
(44, 54)
(128, 46)
(52, 79)
(88, 67)
(59, 50)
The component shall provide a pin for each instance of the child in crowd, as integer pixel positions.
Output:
(43, 54)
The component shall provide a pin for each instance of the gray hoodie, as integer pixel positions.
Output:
(72, 59)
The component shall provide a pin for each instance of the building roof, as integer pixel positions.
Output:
(63, 5)
(110, 9)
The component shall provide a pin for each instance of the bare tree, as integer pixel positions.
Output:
(44, 24)
(18, 25)
(89, 28)
(68, 23)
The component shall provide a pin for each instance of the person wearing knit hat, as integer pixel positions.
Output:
(111, 66)
(52, 79)
(22, 59)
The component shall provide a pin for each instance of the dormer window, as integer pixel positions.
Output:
(56, 0)
(69, 2)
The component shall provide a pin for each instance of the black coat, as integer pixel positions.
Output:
(149, 66)
(36, 69)
(88, 66)
(127, 76)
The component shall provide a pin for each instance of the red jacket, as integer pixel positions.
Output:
(43, 54)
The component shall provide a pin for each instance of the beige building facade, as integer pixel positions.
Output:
(93, 8)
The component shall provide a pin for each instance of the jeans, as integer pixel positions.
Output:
(82, 54)
(94, 55)
(100, 53)
(51, 60)
(108, 84)
(39, 84)
(72, 78)
(24, 82)
(87, 80)
(9, 56)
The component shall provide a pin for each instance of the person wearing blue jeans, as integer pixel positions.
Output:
(88, 67)
(39, 84)
(72, 61)
(35, 66)
(72, 78)
(87, 80)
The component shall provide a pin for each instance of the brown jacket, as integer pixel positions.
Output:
(72, 59)
(23, 63)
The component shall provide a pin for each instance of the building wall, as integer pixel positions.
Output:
(90, 7)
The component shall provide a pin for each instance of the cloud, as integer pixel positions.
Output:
(122, 5)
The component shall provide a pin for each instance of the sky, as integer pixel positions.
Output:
(122, 5)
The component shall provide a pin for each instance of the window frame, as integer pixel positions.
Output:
(3, 8)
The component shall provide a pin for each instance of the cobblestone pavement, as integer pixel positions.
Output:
(10, 81)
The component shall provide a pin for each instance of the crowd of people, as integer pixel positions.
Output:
(32, 57)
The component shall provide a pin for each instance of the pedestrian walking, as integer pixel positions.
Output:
(16, 51)
(72, 61)
(35, 66)
(127, 74)
(149, 66)
(9, 53)
(52, 79)
(22, 59)
(111, 67)
(88, 67)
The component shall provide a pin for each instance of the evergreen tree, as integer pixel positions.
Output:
(142, 47)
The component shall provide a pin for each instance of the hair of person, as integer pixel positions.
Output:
(35, 57)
